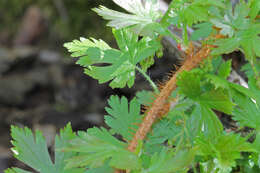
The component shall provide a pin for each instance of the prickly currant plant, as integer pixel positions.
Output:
(176, 126)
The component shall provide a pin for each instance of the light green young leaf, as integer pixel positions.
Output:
(141, 14)
(32, 150)
(146, 63)
(117, 66)
(218, 100)
(189, 84)
(98, 146)
(224, 148)
(225, 69)
(254, 8)
(123, 120)
(167, 161)
(217, 81)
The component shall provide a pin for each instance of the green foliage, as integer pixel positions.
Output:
(96, 146)
(122, 63)
(127, 124)
(203, 30)
(33, 151)
(225, 149)
(169, 161)
(191, 84)
(191, 133)
(243, 33)
(143, 14)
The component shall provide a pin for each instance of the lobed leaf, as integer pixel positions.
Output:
(224, 148)
(98, 146)
(168, 161)
(123, 120)
(141, 14)
(33, 151)
(107, 64)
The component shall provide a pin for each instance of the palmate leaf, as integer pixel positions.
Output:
(117, 66)
(204, 121)
(145, 97)
(202, 31)
(97, 147)
(121, 120)
(247, 113)
(197, 11)
(190, 84)
(243, 33)
(168, 161)
(141, 14)
(32, 150)
(224, 149)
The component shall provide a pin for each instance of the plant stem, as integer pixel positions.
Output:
(153, 85)
(191, 61)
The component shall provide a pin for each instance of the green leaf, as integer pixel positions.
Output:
(217, 81)
(141, 14)
(232, 19)
(15, 170)
(167, 161)
(254, 8)
(245, 91)
(218, 100)
(164, 130)
(254, 87)
(226, 45)
(146, 63)
(247, 112)
(107, 64)
(243, 33)
(32, 150)
(189, 84)
(121, 120)
(103, 169)
(225, 149)
(98, 146)
(225, 69)
(145, 97)
(204, 121)
(192, 12)
(202, 31)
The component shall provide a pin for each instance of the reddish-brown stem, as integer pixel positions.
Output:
(157, 107)
(161, 105)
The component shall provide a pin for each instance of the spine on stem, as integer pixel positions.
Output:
(159, 104)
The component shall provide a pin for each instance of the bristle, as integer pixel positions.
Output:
(161, 105)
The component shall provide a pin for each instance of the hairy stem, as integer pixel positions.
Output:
(148, 79)
(153, 113)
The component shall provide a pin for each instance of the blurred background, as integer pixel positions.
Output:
(40, 85)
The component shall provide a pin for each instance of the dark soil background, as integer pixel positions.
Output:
(40, 85)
